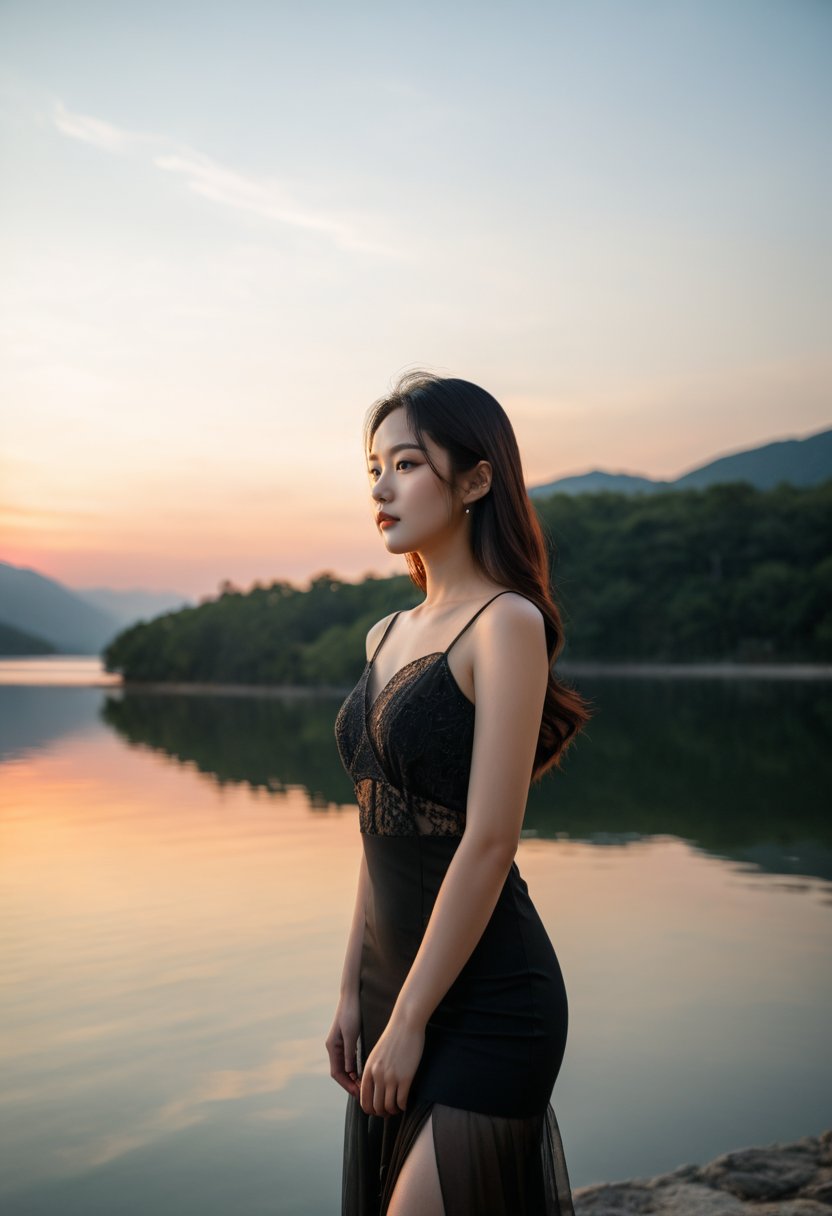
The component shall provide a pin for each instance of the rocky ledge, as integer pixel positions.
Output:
(775, 1180)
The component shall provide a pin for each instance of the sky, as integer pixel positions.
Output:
(226, 229)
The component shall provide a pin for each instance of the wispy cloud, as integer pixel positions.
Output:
(96, 131)
(265, 197)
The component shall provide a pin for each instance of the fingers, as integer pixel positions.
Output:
(379, 1098)
(375, 1096)
(351, 1064)
(346, 1077)
(372, 1094)
(348, 1081)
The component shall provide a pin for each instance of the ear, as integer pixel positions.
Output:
(477, 481)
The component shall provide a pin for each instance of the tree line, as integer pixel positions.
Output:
(729, 572)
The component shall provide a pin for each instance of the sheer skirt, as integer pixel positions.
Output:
(488, 1165)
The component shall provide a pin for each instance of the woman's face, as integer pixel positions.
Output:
(403, 484)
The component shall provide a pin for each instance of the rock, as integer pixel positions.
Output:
(775, 1180)
(615, 1199)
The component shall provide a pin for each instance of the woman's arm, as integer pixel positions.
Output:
(342, 1040)
(352, 959)
(511, 673)
(349, 977)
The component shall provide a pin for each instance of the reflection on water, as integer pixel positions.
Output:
(178, 878)
(56, 669)
(715, 763)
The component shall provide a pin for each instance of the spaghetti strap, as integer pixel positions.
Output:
(392, 622)
(390, 625)
(476, 614)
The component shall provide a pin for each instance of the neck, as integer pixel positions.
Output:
(452, 575)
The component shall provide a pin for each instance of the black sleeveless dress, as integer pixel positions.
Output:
(494, 1044)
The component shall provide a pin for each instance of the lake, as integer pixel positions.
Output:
(178, 878)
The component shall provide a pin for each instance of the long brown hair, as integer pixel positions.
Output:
(507, 540)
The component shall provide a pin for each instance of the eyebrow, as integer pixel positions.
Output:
(400, 447)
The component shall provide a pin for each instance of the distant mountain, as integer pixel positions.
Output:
(18, 641)
(44, 607)
(67, 619)
(801, 462)
(596, 481)
(135, 604)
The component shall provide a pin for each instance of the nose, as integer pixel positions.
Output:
(379, 492)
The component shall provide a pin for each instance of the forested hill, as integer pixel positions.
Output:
(729, 572)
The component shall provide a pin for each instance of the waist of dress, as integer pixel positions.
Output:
(406, 873)
(406, 866)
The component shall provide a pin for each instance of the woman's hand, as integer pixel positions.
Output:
(341, 1044)
(391, 1066)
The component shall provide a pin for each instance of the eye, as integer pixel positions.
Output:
(399, 462)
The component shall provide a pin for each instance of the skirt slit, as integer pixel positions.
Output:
(489, 1165)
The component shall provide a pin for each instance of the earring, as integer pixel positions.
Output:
(467, 509)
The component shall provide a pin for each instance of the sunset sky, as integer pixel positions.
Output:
(226, 228)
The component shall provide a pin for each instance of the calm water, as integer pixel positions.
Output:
(178, 875)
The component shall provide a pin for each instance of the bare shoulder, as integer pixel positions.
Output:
(514, 614)
(376, 632)
(512, 634)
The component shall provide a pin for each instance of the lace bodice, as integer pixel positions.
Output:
(409, 753)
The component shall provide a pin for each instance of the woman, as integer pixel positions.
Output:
(451, 1025)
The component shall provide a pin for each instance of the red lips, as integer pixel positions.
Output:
(382, 515)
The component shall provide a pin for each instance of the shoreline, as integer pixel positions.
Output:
(779, 1179)
(725, 671)
(728, 670)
